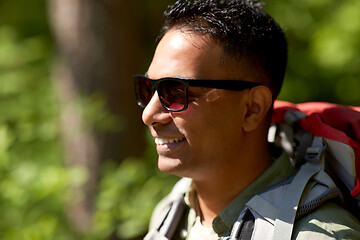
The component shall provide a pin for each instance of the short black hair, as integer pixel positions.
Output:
(246, 32)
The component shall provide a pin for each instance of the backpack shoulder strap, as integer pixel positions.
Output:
(285, 218)
(276, 209)
(169, 214)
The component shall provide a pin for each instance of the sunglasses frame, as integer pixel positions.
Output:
(234, 85)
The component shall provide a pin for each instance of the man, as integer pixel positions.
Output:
(208, 97)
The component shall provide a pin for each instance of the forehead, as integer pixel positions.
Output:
(188, 55)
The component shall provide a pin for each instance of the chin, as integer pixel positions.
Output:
(171, 166)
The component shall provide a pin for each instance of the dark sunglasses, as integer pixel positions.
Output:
(173, 92)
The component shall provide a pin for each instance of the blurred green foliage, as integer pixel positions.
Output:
(323, 66)
(324, 43)
(128, 194)
(33, 178)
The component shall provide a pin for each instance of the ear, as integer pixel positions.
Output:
(258, 104)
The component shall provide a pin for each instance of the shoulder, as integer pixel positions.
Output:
(329, 221)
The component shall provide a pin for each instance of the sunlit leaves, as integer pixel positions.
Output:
(33, 180)
(128, 193)
(323, 49)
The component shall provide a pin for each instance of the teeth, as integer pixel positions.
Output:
(161, 141)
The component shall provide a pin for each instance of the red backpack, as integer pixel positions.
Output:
(294, 127)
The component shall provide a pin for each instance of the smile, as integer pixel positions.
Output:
(162, 141)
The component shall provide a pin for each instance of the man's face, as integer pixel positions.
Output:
(203, 139)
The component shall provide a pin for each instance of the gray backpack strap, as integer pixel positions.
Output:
(170, 222)
(276, 209)
(285, 219)
(171, 215)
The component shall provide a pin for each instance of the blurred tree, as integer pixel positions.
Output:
(80, 71)
(97, 45)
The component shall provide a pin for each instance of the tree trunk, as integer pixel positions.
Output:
(98, 47)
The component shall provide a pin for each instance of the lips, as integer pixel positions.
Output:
(163, 141)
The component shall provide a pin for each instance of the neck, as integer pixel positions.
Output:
(222, 187)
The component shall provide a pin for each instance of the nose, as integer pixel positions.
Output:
(154, 113)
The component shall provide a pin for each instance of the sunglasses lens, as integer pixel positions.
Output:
(172, 94)
(144, 91)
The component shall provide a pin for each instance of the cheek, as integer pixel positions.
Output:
(211, 119)
(188, 121)
(202, 125)
(194, 125)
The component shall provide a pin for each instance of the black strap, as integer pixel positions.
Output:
(170, 222)
(173, 218)
(245, 227)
